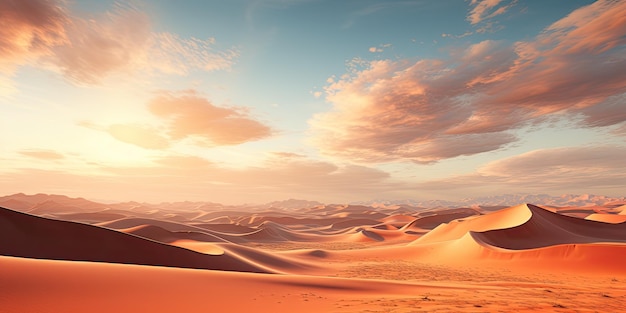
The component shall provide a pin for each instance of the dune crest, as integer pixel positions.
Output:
(392, 250)
(545, 228)
(41, 238)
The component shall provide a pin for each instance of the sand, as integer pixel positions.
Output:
(59, 254)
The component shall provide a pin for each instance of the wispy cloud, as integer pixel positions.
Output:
(379, 48)
(483, 10)
(565, 169)
(189, 115)
(99, 46)
(471, 102)
(88, 49)
(175, 177)
(47, 155)
(29, 29)
(174, 55)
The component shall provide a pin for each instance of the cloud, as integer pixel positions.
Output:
(606, 113)
(174, 55)
(380, 48)
(47, 155)
(88, 49)
(139, 135)
(185, 161)
(185, 177)
(279, 175)
(102, 45)
(470, 102)
(188, 115)
(621, 130)
(565, 169)
(144, 136)
(465, 34)
(287, 155)
(483, 10)
(29, 28)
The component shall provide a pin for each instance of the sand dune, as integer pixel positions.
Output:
(432, 221)
(607, 218)
(36, 237)
(506, 218)
(135, 221)
(100, 287)
(225, 228)
(162, 258)
(157, 233)
(545, 228)
(90, 217)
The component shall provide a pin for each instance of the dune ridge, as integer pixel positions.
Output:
(546, 228)
(307, 247)
(30, 236)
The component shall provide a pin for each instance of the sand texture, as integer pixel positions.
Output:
(59, 254)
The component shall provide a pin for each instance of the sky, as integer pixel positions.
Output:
(335, 101)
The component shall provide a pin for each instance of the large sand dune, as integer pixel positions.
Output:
(30, 236)
(545, 228)
(196, 257)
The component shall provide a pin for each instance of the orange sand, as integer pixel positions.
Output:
(73, 255)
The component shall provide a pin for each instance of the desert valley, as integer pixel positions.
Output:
(62, 254)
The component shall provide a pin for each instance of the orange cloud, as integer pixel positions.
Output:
(97, 47)
(557, 170)
(430, 110)
(189, 162)
(189, 115)
(486, 9)
(47, 155)
(88, 49)
(28, 29)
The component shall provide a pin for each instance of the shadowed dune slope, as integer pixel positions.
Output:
(24, 235)
(545, 228)
(163, 235)
(90, 217)
(134, 221)
(432, 221)
(456, 229)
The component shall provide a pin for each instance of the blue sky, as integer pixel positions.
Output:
(336, 101)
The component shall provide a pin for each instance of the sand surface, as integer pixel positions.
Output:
(59, 254)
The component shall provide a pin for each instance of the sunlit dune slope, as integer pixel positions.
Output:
(455, 229)
(523, 236)
(545, 228)
(59, 286)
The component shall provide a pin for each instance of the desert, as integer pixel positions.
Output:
(340, 156)
(62, 254)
